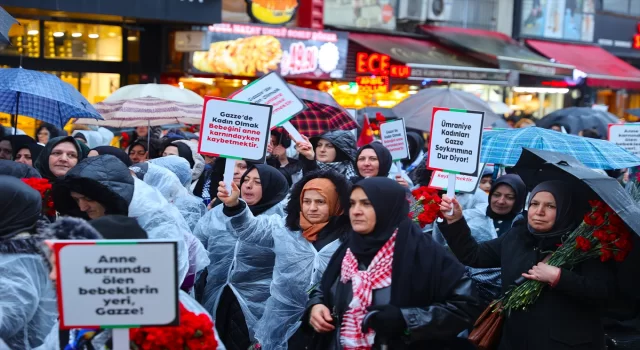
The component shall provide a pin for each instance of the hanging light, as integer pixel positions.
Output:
(94, 36)
(33, 32)
(76, 35)
(58, 34)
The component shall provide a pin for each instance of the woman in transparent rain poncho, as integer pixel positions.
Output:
(191, 207)
(237, 283)
(90, 192)
(168, 184)
(303, 243)
(28, 307)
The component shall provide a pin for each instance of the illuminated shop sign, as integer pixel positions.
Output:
(254, 50)
(380, 65)
(372, 83)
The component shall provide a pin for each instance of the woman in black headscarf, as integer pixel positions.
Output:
(28, 306)
(419, 291)
(565, 315)
(207, 185)
(180, 149)
(114, 151)
(59, 155)
(372, 160)
(27, 153)
(507, 198)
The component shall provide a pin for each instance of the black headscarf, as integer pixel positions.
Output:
(416, 144)
(153, 147)
(34, 148)
(184, 151)
(274, 187)
(19, 142)
(519, 188)
(18, 170)
(566, 209)
(42, 163)
(20, 206)
(53, 130)
(215, 176)
(389, 200)
(116, 152)
(384, 159)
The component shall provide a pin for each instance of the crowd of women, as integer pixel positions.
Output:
(314, 249)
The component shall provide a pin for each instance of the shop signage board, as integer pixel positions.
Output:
(454, 146)
(255, 50)
(260, 11)
(419, 71)
(273, 90)
(558, 19)
(235, 130)
(626, 136)
(393, 135)
(618, 35)
(117, 284)
(464, 183)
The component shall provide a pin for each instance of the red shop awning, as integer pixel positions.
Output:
(602, 69)
(430, 60)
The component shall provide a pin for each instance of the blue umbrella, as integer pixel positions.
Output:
(6, 22)
(42, 96)
(505, 147)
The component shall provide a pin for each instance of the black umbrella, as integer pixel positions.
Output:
(6, 22)
(576, 119)
(536, 166)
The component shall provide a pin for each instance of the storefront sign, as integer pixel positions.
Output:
(462, 74)
(372, 83)
(117, 283)
(558, 19)
(626, 136)
(618, 35)
(234, 129)
(379, 14)
(253, 50)
(379, 64)
(454, 146)
(537, 68)
(394, 137)
(464, 183)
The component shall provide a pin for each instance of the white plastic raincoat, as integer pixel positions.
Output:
(246, 268)
(178, 166)
(28, 306)
(298, 268)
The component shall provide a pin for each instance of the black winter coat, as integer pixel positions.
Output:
(565, 317)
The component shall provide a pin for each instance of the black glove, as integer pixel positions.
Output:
(388, 322)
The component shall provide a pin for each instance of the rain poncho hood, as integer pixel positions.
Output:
(245, 267)
(20, 206)
(108, 180)
(19, 170)
(198, 161)
(345, 146)
(42, 163)
(177, 165)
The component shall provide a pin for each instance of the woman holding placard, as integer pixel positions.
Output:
(303, 243)
(335, 150)
(375, 159)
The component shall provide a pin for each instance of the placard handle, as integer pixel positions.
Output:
(120, 338)
(451, 189)
(293, 132)
(229, 169)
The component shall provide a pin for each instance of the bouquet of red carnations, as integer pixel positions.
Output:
(195, 332)
(426, 208)
(601, 234)
(44, 187)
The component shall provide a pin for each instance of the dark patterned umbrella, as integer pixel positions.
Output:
(6, 22)
(320, 118)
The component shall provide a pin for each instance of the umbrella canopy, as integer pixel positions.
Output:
(145, 111)
(6, 22)
(505, 147)
(536, 166)
(159, 91)
(576, 119)
(634, 112)
(417, 109)
(320, 118)
(42, 96)
(314, 96)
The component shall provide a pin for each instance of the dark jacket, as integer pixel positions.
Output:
(564, 317)
(292, 168)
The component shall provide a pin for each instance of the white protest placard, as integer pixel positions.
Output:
(272, 90)
(117, 283)
(464, 183)
(393, 135)
(626, 136)
(454, 146)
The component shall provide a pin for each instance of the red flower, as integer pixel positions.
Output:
(620, 255)
(594, 219)
(44, 187)
(583, 244)
(605, 254)
(380, 118)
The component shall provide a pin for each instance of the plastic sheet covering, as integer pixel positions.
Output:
(177, 165)
(161, 220)
(246, 268)
(297, 270)
(28, 306)
(198, 167)
(52, 340)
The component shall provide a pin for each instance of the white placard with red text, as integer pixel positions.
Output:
(394, 137)
(464, 183)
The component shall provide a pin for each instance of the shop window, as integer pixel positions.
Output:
(95, 87)
(25, 39)
(133, 46)
(80, 41)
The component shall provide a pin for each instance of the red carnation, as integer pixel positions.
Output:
(583, 244)
(594, 219)
(44, 187)
(605, 254)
